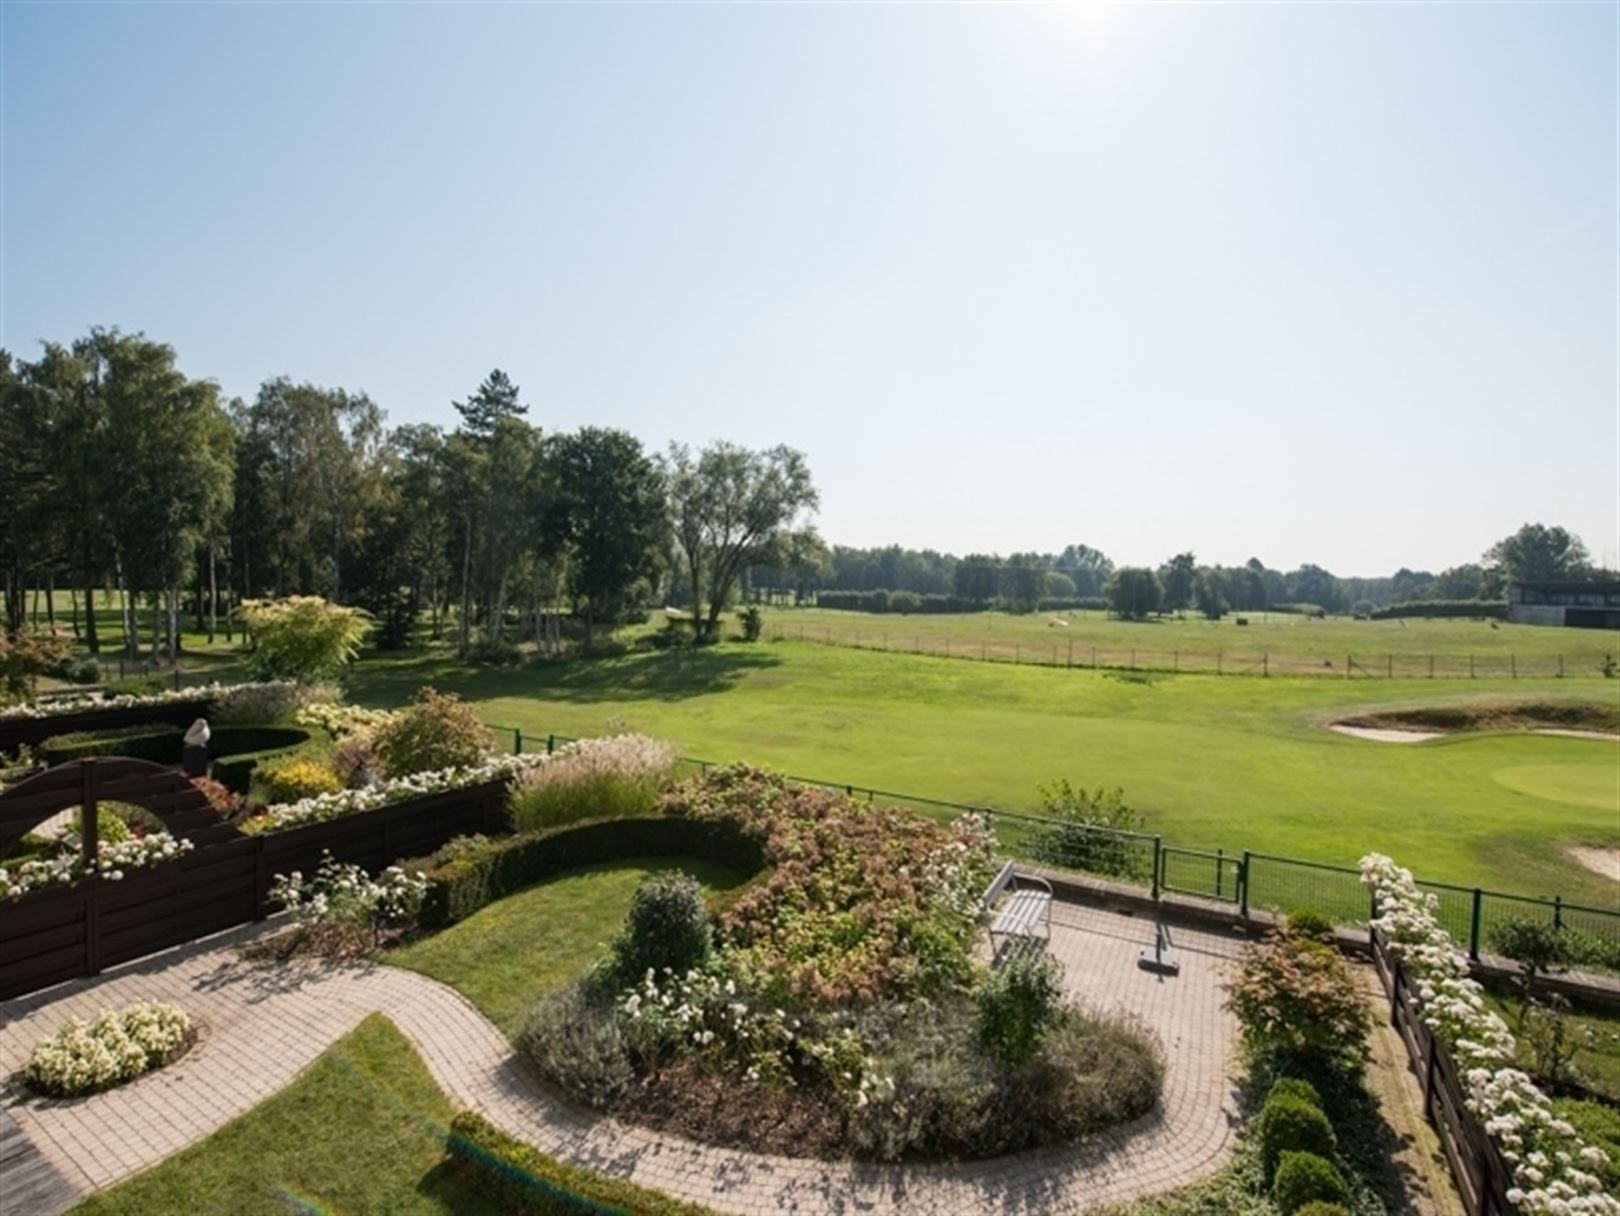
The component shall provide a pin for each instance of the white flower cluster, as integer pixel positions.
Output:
(71, 705)
(321, 807)
(346, 892)
(1552, 1168)
(705, 1010)
(112, 860)
(953, 878)
(119, 1046)
(343, 721)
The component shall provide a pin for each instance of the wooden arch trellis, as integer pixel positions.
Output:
(164, 792)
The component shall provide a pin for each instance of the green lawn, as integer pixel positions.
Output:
(507, 955)
(362, 1130)
(1229, 763)
(1597, 1060)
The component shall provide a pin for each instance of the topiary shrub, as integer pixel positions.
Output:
(439, 730)
(283, 779)
(1018, 1004)
(1304, 1178)
(1286, 1124)
(668, 926)
(1296, 1087)
(1309, 923)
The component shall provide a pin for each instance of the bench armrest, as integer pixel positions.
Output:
(1021, 877)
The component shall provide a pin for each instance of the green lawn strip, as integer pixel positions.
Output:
(1597, 1058)
(1215, 763)
(362, 1130)
(507, 955)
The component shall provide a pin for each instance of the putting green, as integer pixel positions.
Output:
(1596, 784)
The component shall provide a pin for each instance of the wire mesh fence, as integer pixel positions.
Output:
(1240, 662)
(1251, 881)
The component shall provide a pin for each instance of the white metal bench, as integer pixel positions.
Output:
(1025, 909)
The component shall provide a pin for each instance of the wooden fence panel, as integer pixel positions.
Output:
(1482, 1176)
(62, 933)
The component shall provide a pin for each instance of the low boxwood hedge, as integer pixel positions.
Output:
(477, 874)
(234, 750)
(524, 1181)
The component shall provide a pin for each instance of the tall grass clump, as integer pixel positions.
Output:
(614, 777)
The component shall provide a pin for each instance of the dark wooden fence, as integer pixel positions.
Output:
(60, 933)
(1483, 1177)
(16, 732)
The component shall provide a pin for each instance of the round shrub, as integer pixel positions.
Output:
(1317, 1208)
(284, 779)
(1290, 1124)
(668, 926)
(576, 1043)
(1304, 1178)
(1296, 1087)
(439, 730)
(1307, 922)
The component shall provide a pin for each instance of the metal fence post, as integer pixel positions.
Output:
(551, 744)
(1473, 926)
(1243, 887)
(517, 740)
(1158, 863)
(1558, 911)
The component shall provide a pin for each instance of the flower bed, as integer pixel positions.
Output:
(833, 1006)
(61, 706)
(87, 1057)
(112, 861)
(1555, 1173)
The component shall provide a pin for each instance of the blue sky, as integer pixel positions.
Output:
(1331, 284)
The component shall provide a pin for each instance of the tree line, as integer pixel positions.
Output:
(121, 475)
(893, 578)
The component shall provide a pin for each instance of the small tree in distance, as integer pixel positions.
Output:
(1134, 592)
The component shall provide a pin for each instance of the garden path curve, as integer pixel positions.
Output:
(262, 1024)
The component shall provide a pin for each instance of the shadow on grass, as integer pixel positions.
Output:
(666, 675)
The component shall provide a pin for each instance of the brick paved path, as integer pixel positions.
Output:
(263, 1024)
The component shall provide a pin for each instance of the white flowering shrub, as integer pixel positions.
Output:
(1554, 1173)
(321, 807)
(342, 721)
(343, 910)
(84, 1057)
(220, 694)
(112, 861)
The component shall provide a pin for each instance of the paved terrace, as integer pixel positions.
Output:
(261, 1024)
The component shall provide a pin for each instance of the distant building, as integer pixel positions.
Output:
(1585, 605)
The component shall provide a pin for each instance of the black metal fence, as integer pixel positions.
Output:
(1245, 879)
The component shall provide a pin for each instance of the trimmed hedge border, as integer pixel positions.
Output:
(526, 1182)
(235, 750)
(462, 886)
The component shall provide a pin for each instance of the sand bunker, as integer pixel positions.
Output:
(1384, 735)
(1598, 859)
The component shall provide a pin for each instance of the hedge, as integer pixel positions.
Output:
(524, 1181)
(1443, 608)
(477, 876)
(159, 744)
(906, 602)
(235, 750)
